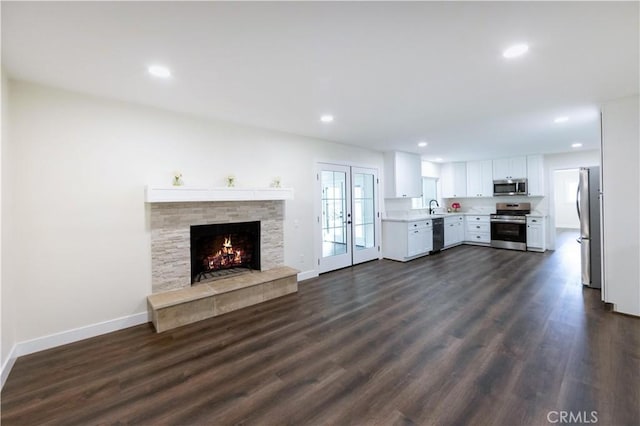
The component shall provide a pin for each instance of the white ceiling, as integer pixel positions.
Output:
(391, 73)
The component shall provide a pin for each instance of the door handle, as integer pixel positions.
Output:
(578, 201)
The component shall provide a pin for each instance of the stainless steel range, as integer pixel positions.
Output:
(509, 226)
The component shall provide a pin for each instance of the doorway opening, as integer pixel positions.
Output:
(567, 223)
(565, 184)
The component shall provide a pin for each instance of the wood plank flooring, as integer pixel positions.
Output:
(473, 336)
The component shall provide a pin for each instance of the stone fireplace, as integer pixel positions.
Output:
(172, 222)
(204, 236)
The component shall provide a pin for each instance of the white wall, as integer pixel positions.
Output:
(81, 248)
(553, 162)
(621, 203)
(565, 183)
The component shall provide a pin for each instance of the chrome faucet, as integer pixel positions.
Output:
(432, 210)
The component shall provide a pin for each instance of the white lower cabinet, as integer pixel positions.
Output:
(477, 229)
(536, 233)
(404, 241)
(453, 230)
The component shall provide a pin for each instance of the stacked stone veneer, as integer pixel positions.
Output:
(171, 238)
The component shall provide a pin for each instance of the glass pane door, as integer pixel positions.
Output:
(365, 244)
(334, 211)
(348, 220)
(335, 218)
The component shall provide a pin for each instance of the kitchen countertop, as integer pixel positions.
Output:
(419, 217)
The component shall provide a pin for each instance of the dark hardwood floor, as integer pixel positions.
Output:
(471, 336)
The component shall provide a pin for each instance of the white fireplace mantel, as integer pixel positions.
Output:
(181, 194)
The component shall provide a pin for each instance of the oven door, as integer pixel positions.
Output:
(509, 234)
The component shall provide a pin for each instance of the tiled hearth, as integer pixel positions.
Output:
(175, 308)
(174, 301)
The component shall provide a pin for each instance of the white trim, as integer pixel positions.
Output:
(177, 194)
(80, 333)
(8, 365)
(307, 275)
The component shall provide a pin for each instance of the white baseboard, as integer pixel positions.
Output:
(81, 333)
(70, 336)
(7, 366)
(307, 275)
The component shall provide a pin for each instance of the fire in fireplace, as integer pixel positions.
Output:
(221, 249)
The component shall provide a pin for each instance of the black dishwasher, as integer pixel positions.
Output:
(438, 234)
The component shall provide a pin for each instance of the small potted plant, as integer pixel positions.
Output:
(455, 206)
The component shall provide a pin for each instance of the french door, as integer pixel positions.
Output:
(348, 218)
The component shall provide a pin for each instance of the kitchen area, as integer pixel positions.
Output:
(500, 203)
(497, 203)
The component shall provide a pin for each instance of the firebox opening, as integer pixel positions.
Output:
(221, 249)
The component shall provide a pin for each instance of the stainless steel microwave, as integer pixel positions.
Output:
(509, 187)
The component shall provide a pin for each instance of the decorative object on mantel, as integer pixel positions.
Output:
(275, 183)
(455, 206)
(231, 181)
(177, 179)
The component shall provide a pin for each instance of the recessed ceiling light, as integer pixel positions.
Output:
(159, 71)
(515, 51)
(422, 144)
(576, 145)
(326, 118)
(561, 119)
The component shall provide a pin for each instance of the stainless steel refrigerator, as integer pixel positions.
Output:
(588, 205)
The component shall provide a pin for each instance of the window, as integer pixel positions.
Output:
(429, 192)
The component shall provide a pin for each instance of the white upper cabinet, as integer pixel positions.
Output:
(479, 178)
(510, 168)
(454, 180)
(535, 175)
(402, 175)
